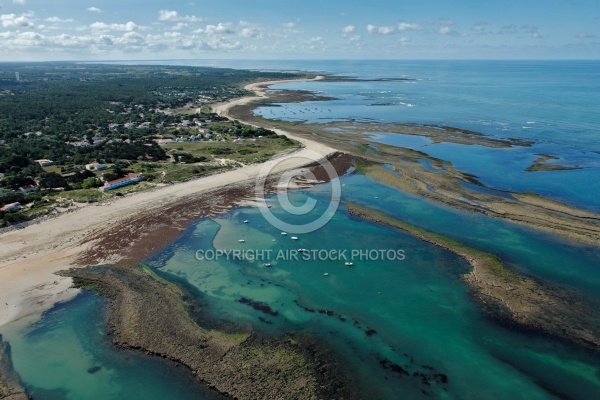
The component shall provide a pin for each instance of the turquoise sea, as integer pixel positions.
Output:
(413, 311)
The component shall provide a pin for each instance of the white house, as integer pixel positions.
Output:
(44, 162)
(12, 207)
(27, 188)
(95, 166)
(126, 180)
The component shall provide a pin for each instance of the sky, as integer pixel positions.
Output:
(52, 30)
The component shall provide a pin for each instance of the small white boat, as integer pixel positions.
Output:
(302, 251)
(348, 264)
(326, 274)
(267, 265)
(284, 233)
(294, 238)
(246, 221)
(241, 241)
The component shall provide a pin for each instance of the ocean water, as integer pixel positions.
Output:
(551, 103)
(55, 356)
(423, 316)
(411, 311)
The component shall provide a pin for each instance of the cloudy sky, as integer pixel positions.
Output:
(308, 29)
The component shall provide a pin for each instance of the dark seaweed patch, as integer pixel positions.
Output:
(259, 306)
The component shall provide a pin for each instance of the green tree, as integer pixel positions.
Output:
(8, 196)
(90, 183)
(52, 180)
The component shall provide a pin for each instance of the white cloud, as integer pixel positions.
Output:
(380, 30)
(19, 1)
(180, 25)
(168, 15)
(106, 40)
(445, 30)
(315, 42)
(94, 10)
(404, 41)
(103, 27)
(405, 26)
(250, 33)
(16, 21)
(348, 29)
(219, 29)
(289, 25)
(479, 27)
(132, 39)
(58, 20)
(129, 42)
(172, 15)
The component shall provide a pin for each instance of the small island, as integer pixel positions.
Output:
(543, 163)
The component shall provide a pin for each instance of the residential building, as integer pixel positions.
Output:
(44, 162)
(126, 180)
(27, 188)
(95, 166)
(12, 207)
(163, 141)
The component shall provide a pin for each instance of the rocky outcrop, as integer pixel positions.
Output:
(150, 314)
(509, 297)
(10, 383)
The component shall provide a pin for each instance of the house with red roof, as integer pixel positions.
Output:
(124, 181)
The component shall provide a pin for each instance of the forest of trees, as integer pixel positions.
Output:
(78, 113)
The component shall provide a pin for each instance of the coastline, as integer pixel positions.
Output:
(30, 257)
(235, 361)
(10, 384)
(513, 299)
(439, 180)
(131, 228)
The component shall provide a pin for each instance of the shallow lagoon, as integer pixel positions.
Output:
(419, 308)
(414, 312)
(551, 103)
(56, 357)
(505, 168)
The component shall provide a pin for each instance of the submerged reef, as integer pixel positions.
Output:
(10, 383)
(507, 296)
(150, 314)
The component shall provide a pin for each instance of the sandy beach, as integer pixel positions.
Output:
(30, 257)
